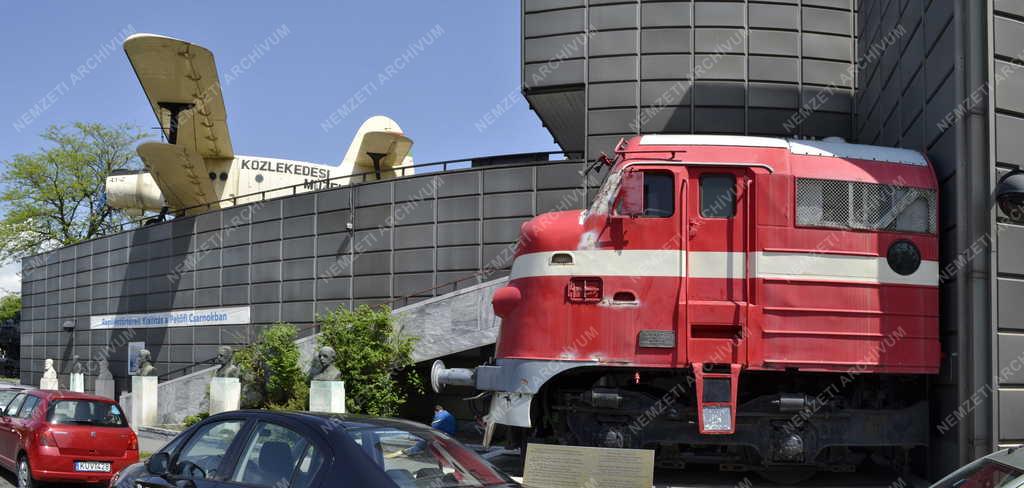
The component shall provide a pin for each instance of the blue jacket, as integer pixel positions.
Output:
(444, 421)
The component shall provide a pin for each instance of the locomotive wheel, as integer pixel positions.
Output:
(790, 476)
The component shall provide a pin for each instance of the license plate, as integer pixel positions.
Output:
(92, 466)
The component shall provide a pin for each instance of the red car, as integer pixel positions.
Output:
(66, 437)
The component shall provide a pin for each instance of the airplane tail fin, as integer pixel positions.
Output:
(379, 147)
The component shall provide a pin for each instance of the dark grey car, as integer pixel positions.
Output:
(258, 448)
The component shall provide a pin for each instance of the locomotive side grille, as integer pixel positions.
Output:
(855, 205)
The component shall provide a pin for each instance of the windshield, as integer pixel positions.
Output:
(6, 396)
(606, 194)
(415, 458)
(984, 473)
(85, 412)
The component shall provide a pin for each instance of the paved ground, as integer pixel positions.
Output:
(701, 480)
(510, 463)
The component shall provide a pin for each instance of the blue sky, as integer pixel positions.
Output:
(278, 105)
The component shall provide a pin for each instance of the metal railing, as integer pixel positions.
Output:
(480, 275)
(313, 186)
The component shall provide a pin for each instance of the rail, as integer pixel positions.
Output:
(312, 186)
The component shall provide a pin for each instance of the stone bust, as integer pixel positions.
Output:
(322, 367)
(225, 358)
(105, 370)
(76, 365)
(146, 367)
(48, 372)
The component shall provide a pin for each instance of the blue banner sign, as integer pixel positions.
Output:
(174, 318)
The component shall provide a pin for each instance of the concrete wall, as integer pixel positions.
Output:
(741, 67)
(286, 259)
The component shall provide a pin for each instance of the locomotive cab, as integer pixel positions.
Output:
(757, 303)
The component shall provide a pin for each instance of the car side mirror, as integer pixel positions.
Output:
(158, 464)
(631, 194)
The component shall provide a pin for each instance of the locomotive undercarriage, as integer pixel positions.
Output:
(784, 420)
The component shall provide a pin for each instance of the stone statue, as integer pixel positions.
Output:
(225, 358)
(253, 387)
(105, 370)
(322, 367)
(146, 367)
(76, 364)
(48, 372)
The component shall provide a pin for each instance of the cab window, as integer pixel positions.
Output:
(658, 195)
(717, 196)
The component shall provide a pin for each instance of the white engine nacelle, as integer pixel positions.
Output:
(135, 193)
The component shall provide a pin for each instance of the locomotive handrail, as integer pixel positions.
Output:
(703, 163)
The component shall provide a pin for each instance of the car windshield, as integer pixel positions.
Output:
(984, 473)
(6, 396)
(414, 458)
(85, 412)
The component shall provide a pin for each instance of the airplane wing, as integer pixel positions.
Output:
(180, 173)
(180, 76)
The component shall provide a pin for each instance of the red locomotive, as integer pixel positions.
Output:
(757, 303)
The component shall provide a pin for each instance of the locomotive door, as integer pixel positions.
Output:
(716, 226)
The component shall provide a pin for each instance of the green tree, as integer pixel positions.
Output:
(374, 359)
(55, 196)
(270, 369)
(10, 306)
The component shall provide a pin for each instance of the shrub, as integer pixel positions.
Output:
(271, 372)
(374, 359)
(194, 419)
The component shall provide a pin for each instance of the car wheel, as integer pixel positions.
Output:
(25, 473)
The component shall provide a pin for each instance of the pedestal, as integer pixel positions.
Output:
(48, 384)
(327, 396)
(144, 401)
(225, 394)
(77, 382)
(105, 388)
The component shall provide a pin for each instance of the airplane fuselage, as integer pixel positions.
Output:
(239, 180)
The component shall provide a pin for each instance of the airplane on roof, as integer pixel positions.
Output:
(196, 169)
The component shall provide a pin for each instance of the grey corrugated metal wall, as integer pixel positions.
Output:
(927, 77)
(741, 67)
(1008, 121)
(288, 259)
(903, 95)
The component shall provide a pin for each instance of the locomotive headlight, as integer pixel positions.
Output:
(717, 418)
(904, 257)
